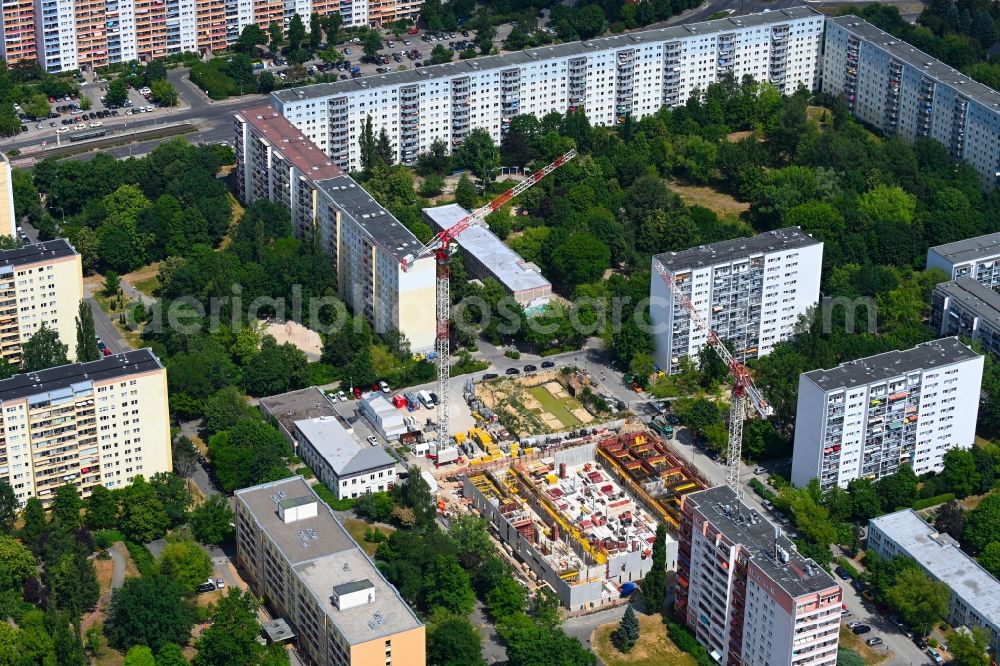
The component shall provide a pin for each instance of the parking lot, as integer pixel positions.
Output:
(407, 51)
(67, 116)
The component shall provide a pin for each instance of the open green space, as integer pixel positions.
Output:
(555, 406)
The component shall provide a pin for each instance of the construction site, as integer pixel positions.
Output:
(545, 402)
(583, 521)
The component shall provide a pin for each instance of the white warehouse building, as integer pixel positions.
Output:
(348, 467)
(609, 78)
(751, 291)
(865, 418)
(905, 92)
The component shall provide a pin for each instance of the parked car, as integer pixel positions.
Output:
(765, 503)
(434, 398)
(383, 387)
(872, 642)
(220, 584)
(548, 364)
(842, 572)
(920, 643)
(759, 470)
(861, 629)
(341, 396)
(372, 440)
(490, 375)
(530, 368)
(935, 656)
(206, 587)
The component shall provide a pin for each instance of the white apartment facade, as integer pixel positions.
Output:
(905, 92)
(751, 291)
(348, 467)
(40, 285)
(976, 258)
(967, 309)
(8, 216)
(748, 596)
(865, 418)
(609, 78)
(96, 423)
(368, 245)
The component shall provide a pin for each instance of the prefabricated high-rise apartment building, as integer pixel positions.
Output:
(609, 78)
(41, 286)
(63, 35)
(905, 92)
(751, 291)
(748, 596)
(865, 418)
(966, 308)
(89, 424)
(977, 258)
(368, 245)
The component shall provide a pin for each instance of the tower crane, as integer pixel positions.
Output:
(744, 390)
(442, 247)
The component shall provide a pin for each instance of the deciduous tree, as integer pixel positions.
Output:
(231, 640)
(148, 611)
(43, 350)
(919, 600)
(212, 521)
(16, 563)
(454, 641)
(183, 561)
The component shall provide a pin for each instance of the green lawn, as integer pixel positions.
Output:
(357, 529)
(554, 406)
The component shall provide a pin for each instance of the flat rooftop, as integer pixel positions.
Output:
(974, 297)
(741, 524)
(881, 367)
(941, 556)
(333, 558)
(509, 268)
(65, 377)
(735, 249)
(341, 448)
(35, 253)
(969, 249)
(380, 225)
(532, 56)
(286, 138)
(931, 67)
(294, 406)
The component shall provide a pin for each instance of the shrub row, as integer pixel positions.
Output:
(933, 501)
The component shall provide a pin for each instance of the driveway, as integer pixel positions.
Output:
(582, 626)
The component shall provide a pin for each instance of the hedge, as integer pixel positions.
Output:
(686, 642)
(327, 496)
(849, 567)
(104, 539)
(143, 559)
(762, 490)
(933, 501)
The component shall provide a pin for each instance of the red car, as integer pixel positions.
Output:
(357, 393)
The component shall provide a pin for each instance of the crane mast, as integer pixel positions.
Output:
(743, 388)
(441, 246)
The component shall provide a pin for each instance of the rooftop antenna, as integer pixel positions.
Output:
(777, 533)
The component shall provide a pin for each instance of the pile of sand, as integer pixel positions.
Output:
(304, 338)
